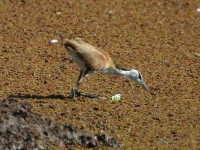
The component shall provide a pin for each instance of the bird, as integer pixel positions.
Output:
(91, 59)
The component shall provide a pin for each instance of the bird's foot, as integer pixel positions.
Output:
(90, 95)
(74, 93)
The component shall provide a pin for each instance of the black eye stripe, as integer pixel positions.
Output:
(140, 77)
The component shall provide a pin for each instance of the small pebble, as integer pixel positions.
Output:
(198, 54)
(58, 13)
(198, 9)
(54, 41)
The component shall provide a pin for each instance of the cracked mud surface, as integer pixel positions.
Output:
(160, 38)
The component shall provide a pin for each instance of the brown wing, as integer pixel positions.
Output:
(93, 57)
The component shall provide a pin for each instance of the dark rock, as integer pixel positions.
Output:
(22, 129)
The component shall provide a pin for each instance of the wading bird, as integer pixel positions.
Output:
(91, 59)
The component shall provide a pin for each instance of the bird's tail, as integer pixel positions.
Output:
(69, 43)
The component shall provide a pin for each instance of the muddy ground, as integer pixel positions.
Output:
(158, 37)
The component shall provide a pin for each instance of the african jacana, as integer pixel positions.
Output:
(91, 59)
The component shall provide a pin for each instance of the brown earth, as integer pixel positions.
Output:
(160, 38)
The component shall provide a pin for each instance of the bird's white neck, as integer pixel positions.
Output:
(120, 72)
(125, 73)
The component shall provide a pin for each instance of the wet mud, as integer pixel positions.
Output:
(159, 38)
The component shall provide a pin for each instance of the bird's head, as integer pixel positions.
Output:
(137, 77)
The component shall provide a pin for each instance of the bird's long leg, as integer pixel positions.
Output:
(82, 75)
(74, 91)
(81, 78)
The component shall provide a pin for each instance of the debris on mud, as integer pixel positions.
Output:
(53, 41)
(20, 128)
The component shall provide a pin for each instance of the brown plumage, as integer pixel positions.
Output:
(93, 57)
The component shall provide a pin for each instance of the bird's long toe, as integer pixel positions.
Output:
(90, 95)
(74, 93)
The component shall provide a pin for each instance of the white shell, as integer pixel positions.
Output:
(54, 41)
(116, 97)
